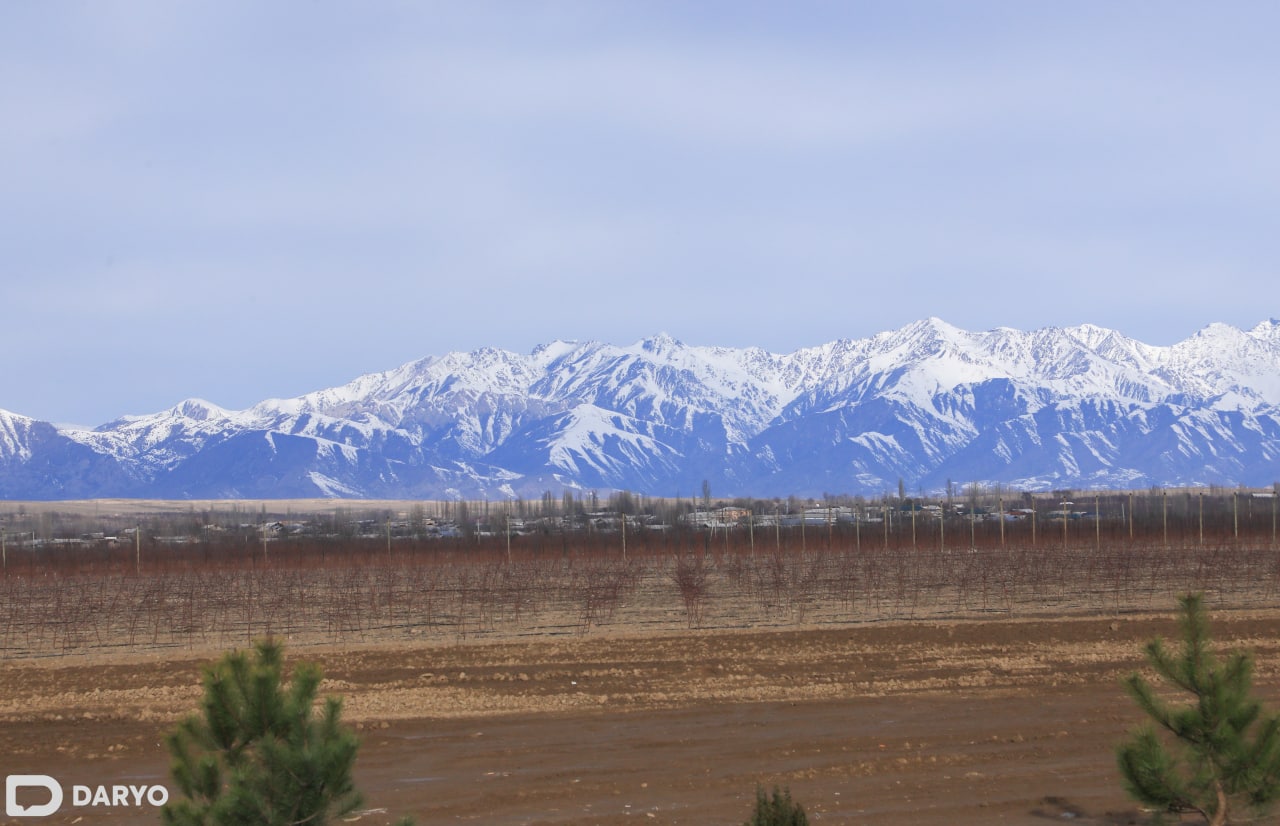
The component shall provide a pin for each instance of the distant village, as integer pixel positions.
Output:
(45, 525)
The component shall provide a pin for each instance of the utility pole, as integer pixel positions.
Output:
(1201, 519)
(1164, 515)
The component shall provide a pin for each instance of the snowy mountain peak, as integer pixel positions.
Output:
(1268, 330)
(15, 434)
(551, 351)
(198, 410)
(929, 333)
(662, 343)
(1055, 407)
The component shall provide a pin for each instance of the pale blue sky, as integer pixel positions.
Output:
(241, 200)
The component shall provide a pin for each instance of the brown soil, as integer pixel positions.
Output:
(927, 722)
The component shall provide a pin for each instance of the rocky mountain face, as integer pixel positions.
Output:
(1079, 407)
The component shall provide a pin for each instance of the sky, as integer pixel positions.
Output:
(237, 201)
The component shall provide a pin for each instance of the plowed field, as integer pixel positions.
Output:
(965, 721)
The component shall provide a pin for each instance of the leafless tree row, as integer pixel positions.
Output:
(79, 602)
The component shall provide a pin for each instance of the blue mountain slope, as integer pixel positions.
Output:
(925, 404)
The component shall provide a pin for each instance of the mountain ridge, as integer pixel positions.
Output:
(1081, 406)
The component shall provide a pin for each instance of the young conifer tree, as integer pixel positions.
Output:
(256, 754)
(778, 810)
(1215, 752)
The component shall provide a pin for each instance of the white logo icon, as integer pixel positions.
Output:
(31, 781)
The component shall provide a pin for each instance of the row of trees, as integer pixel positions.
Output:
(1182, 512)
(1184, 519)
(331, 593)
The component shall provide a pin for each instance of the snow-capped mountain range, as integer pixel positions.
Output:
(1076, 407)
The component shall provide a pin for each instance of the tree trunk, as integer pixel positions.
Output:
(1219, 814)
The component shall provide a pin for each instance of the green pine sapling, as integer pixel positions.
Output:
(1215, 752)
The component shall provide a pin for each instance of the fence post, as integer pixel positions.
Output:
(1201, 519)
(1164, 515)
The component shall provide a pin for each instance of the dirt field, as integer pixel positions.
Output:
(927, 722)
